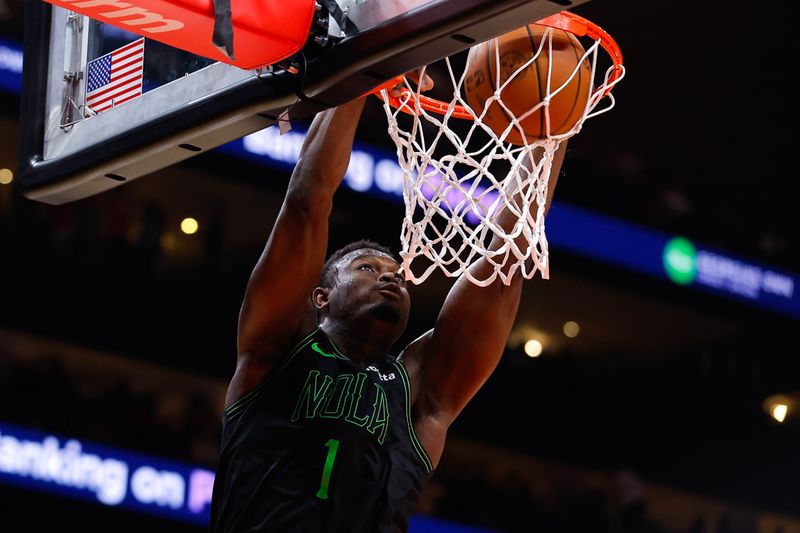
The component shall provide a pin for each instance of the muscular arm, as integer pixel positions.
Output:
(276, 306)
(451, 362)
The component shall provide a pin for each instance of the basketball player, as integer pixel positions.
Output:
(324, 429)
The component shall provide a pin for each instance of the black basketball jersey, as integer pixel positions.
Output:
(321, 445)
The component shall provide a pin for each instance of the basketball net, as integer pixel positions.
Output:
(466, 186)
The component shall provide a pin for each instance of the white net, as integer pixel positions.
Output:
(471, 195)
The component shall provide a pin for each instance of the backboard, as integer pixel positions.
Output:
(173, 105)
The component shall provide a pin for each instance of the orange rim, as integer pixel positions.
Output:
(563, 20)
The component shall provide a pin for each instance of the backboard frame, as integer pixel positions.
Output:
(253, 100)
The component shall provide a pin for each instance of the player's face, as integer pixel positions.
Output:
(368, 283)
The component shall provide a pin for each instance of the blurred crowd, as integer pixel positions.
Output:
(11, 18)
(695, 419)
(100, 270)
(118, 412)
(512, 507)
(114, 233)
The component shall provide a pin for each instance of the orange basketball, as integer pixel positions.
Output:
(530, 86)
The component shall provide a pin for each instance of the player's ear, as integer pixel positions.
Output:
(320, 297)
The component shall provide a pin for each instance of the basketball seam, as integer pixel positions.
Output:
(542, 121)
(578, 90)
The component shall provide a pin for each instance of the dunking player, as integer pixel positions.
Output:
(324, 430)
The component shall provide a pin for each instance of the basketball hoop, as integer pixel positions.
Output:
(462, 171)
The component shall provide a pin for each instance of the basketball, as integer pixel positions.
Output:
(530, 86)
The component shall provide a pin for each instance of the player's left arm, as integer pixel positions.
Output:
(451, 362)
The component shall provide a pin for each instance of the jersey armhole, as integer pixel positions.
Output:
(236, 407)
(421, 453)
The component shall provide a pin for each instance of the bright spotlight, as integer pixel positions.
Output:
(533, 348)
(189, 225)
(779, 411)
(6, 176)
(571, 329)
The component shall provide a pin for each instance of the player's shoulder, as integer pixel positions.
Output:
(412, 355)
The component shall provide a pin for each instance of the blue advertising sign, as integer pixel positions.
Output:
(75, 468)
(10, 66)
(672, 258)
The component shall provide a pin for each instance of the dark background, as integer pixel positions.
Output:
(663, 383)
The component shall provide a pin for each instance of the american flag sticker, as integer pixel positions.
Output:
(115, 78)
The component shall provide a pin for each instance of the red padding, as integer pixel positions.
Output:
(265, 31)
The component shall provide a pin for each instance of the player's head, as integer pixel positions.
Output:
(361, 281)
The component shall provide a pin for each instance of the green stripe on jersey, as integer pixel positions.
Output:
(414, 441)
(241, 402)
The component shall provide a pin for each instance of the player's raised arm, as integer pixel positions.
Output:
(451, 362)
(276, 304)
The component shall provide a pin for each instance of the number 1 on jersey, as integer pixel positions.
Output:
(330, 460)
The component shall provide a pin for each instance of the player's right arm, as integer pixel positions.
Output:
(276, 308)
